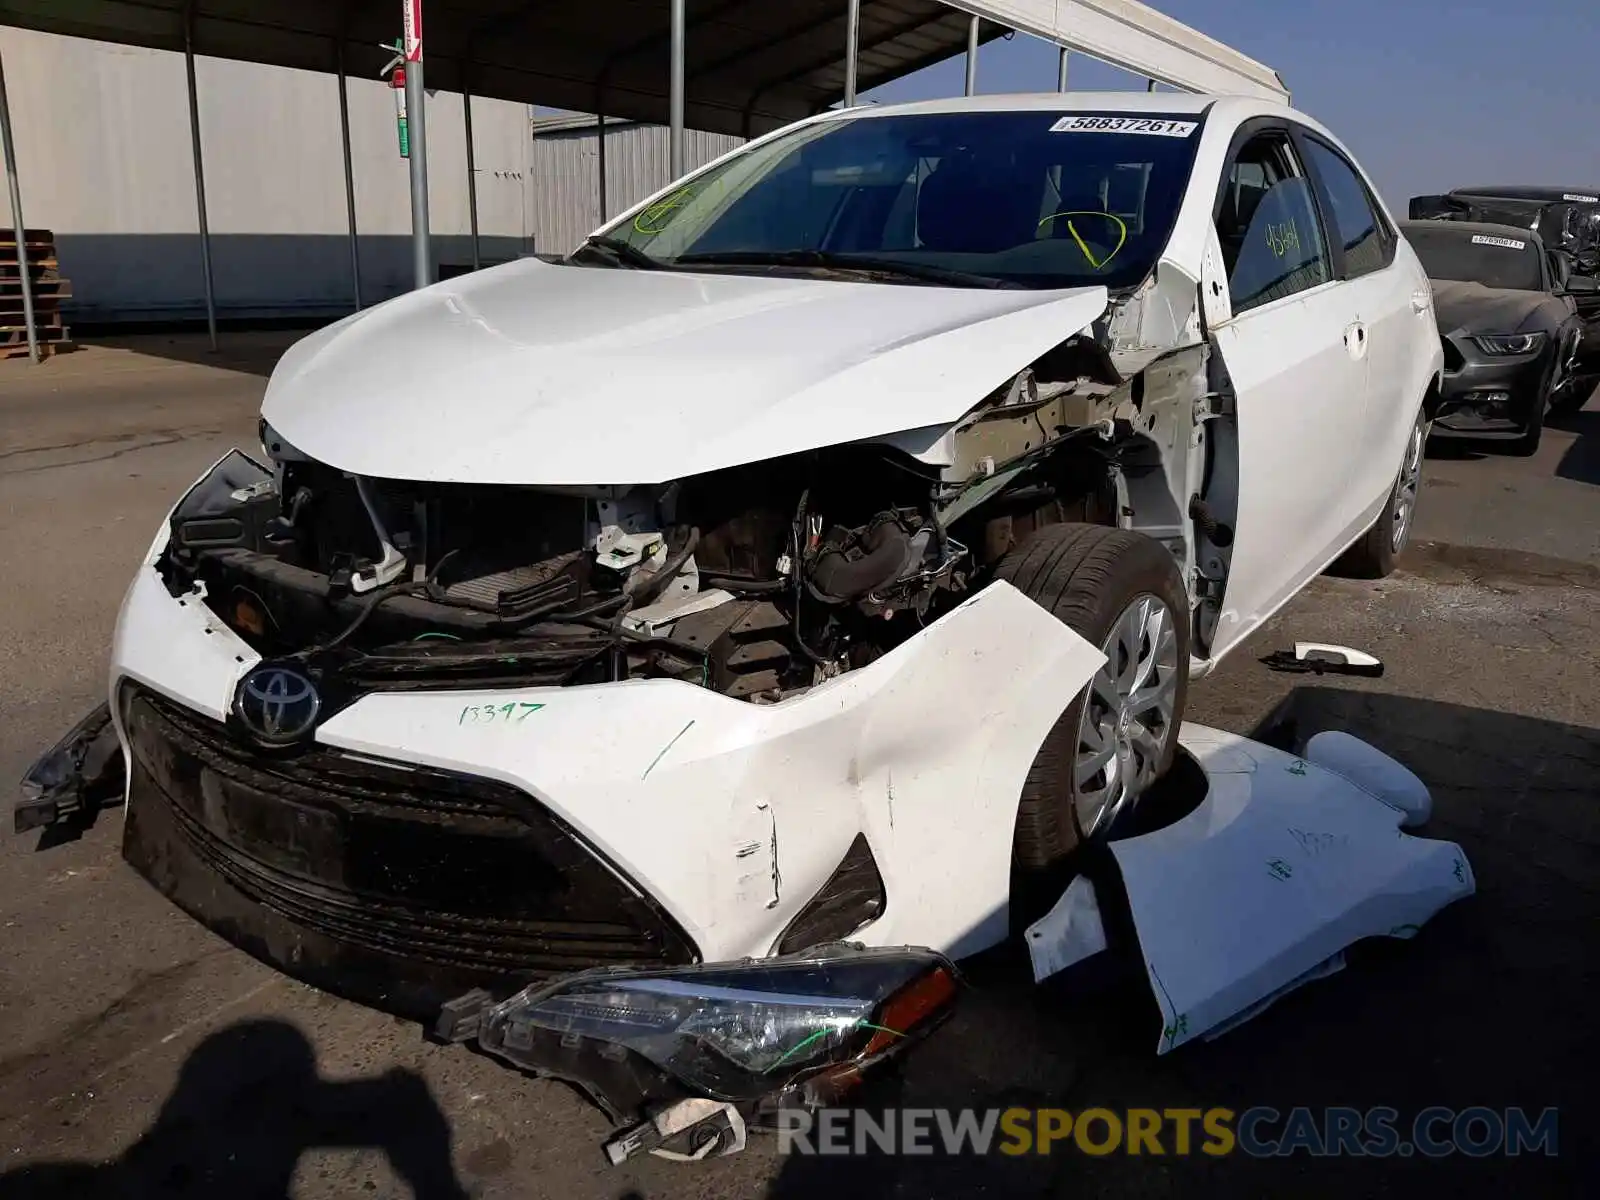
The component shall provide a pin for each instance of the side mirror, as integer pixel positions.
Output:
(1582, 285)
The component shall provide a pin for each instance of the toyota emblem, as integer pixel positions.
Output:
(278, 705)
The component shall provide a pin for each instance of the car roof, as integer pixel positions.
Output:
(1165, 103)
(1468, 228)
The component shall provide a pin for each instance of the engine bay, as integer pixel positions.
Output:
(756, 581)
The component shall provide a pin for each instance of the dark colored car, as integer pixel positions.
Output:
(1566, 218)
(1509, 325)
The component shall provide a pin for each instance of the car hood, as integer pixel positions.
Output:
(1473, 308)
(535, 373)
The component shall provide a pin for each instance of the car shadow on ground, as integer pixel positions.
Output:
(1488, 1005)
(1444, 449)
(1581, 462)
(248, 1103)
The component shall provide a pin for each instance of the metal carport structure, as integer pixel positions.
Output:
(731, 66)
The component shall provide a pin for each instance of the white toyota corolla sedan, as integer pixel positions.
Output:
(824, 545)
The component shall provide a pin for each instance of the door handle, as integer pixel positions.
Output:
(1421, 301)
(1355, 339)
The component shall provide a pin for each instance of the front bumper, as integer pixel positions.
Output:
(720, 817)
(1489, 397)
(398, 888)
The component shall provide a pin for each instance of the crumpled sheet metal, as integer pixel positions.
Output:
(1262, 887)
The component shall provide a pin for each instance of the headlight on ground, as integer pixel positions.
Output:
(1509, 343)
(736, 1031)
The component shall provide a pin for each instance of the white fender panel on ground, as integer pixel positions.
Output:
(1263, 886)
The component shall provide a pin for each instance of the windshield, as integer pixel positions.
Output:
(1025, 199)
(1501, 260)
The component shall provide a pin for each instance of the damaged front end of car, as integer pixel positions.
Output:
(756, 582)
(753, 582)
(695, 942)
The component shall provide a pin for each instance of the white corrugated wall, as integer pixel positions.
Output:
(103, 153)
(102, 136)
(564, 190)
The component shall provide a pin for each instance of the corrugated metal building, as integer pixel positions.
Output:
(103, 151)
(564, 192)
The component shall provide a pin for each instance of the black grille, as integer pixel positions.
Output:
(559, 654)
(423, 866)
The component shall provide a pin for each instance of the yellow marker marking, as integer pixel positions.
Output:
(1283, 238)
(1122, 232)
(655, 218)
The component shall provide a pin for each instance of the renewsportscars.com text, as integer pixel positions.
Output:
(1217, 1132)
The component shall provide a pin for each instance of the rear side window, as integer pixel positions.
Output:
(1354, 219)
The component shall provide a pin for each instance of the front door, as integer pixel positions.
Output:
(1296, 354)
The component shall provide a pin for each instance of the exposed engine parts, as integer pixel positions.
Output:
(756, 581)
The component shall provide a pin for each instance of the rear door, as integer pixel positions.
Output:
(1394, 303)
(1296, 357)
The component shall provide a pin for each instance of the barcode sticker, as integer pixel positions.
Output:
(1579, 198)
(1483, 239)
(1154, 126)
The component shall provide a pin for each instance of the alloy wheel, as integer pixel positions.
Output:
(1128, 713)
(1407, 485)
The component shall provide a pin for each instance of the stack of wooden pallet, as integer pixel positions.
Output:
(49, 290)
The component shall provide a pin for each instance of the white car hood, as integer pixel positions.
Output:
(532, 373)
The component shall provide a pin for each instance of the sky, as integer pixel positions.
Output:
(1488, 94)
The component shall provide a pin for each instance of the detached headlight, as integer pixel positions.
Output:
(734, 1031)
(1509, 343)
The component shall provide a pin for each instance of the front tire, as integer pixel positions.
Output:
(1373, 557)
(1122, 592)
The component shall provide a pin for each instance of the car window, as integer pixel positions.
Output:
(1360, 229)
(1262, 162)
(1272, 243)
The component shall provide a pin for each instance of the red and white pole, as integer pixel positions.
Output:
(397, 83)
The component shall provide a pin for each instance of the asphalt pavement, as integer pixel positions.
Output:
(141, 1055)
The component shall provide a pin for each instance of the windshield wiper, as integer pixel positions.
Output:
(829, 260)
(623, 253)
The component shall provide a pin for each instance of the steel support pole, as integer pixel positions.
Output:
(200, 182)
(675, 154)
(472, 172)
(9, 150)
(600, 160)
(1061, 71)
(416, 128)
(349, 180)
(852, 49)
(972, 58)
